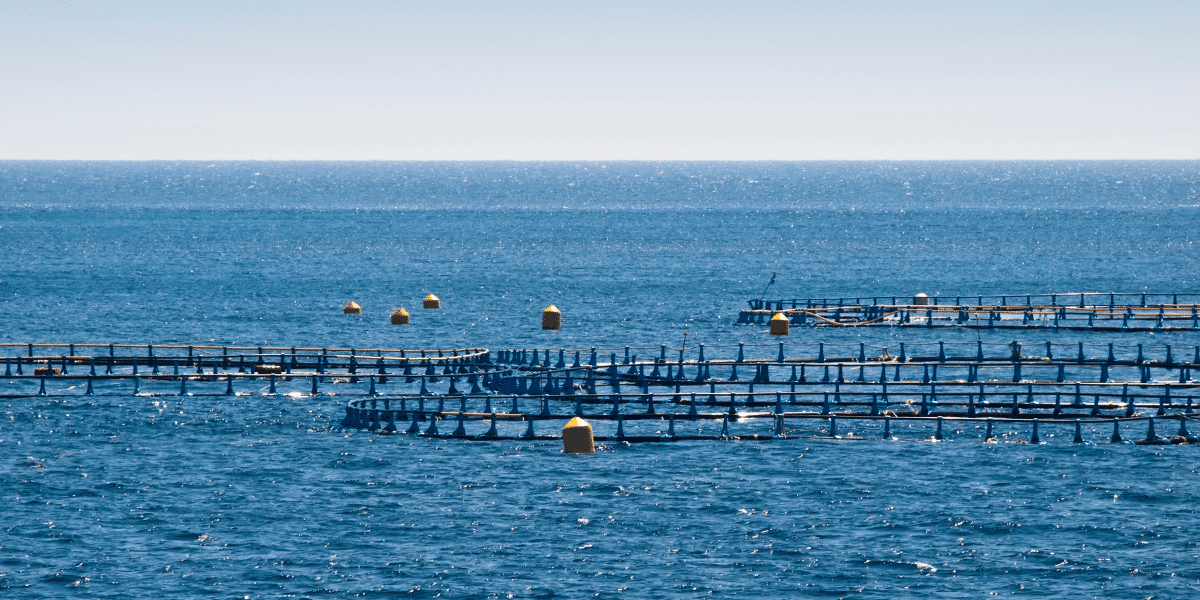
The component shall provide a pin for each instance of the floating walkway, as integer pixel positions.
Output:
(748, 392)
(1078, 311)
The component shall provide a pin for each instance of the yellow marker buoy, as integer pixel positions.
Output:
(551, 318)
(352, 308)
(432, 301)
(921, 300)
(577, 437)
(780, 324)
(400, 316)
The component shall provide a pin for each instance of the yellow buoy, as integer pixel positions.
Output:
(780, 324)
(551, 318)
(352, 308)
(400, 316)
(432, 301)
(577, 437)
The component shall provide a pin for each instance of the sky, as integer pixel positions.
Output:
(608, 80)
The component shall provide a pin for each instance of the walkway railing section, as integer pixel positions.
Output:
(709, 399)
(1076, 299)
(1078, 311)
(759, 392)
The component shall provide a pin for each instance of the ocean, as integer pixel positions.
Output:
(253, 496)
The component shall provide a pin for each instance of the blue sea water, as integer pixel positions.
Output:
(262, 496)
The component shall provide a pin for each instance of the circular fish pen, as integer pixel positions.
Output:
(1100, 312)
(925, 391)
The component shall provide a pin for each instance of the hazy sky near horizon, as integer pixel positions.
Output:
(603, 80)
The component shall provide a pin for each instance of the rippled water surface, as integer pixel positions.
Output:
(262, 496)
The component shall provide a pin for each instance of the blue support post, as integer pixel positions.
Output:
(414, 428)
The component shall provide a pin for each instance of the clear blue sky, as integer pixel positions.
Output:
(601, 80)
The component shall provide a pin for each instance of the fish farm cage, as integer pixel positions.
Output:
(1110, 312)
(927, 391)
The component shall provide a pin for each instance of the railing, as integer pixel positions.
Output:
(1077, 299)
(751, 393)
(1090, 318)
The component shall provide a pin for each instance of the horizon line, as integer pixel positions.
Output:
(595, 160)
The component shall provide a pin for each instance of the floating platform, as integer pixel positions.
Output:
(1078, 311)
(757, 392)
